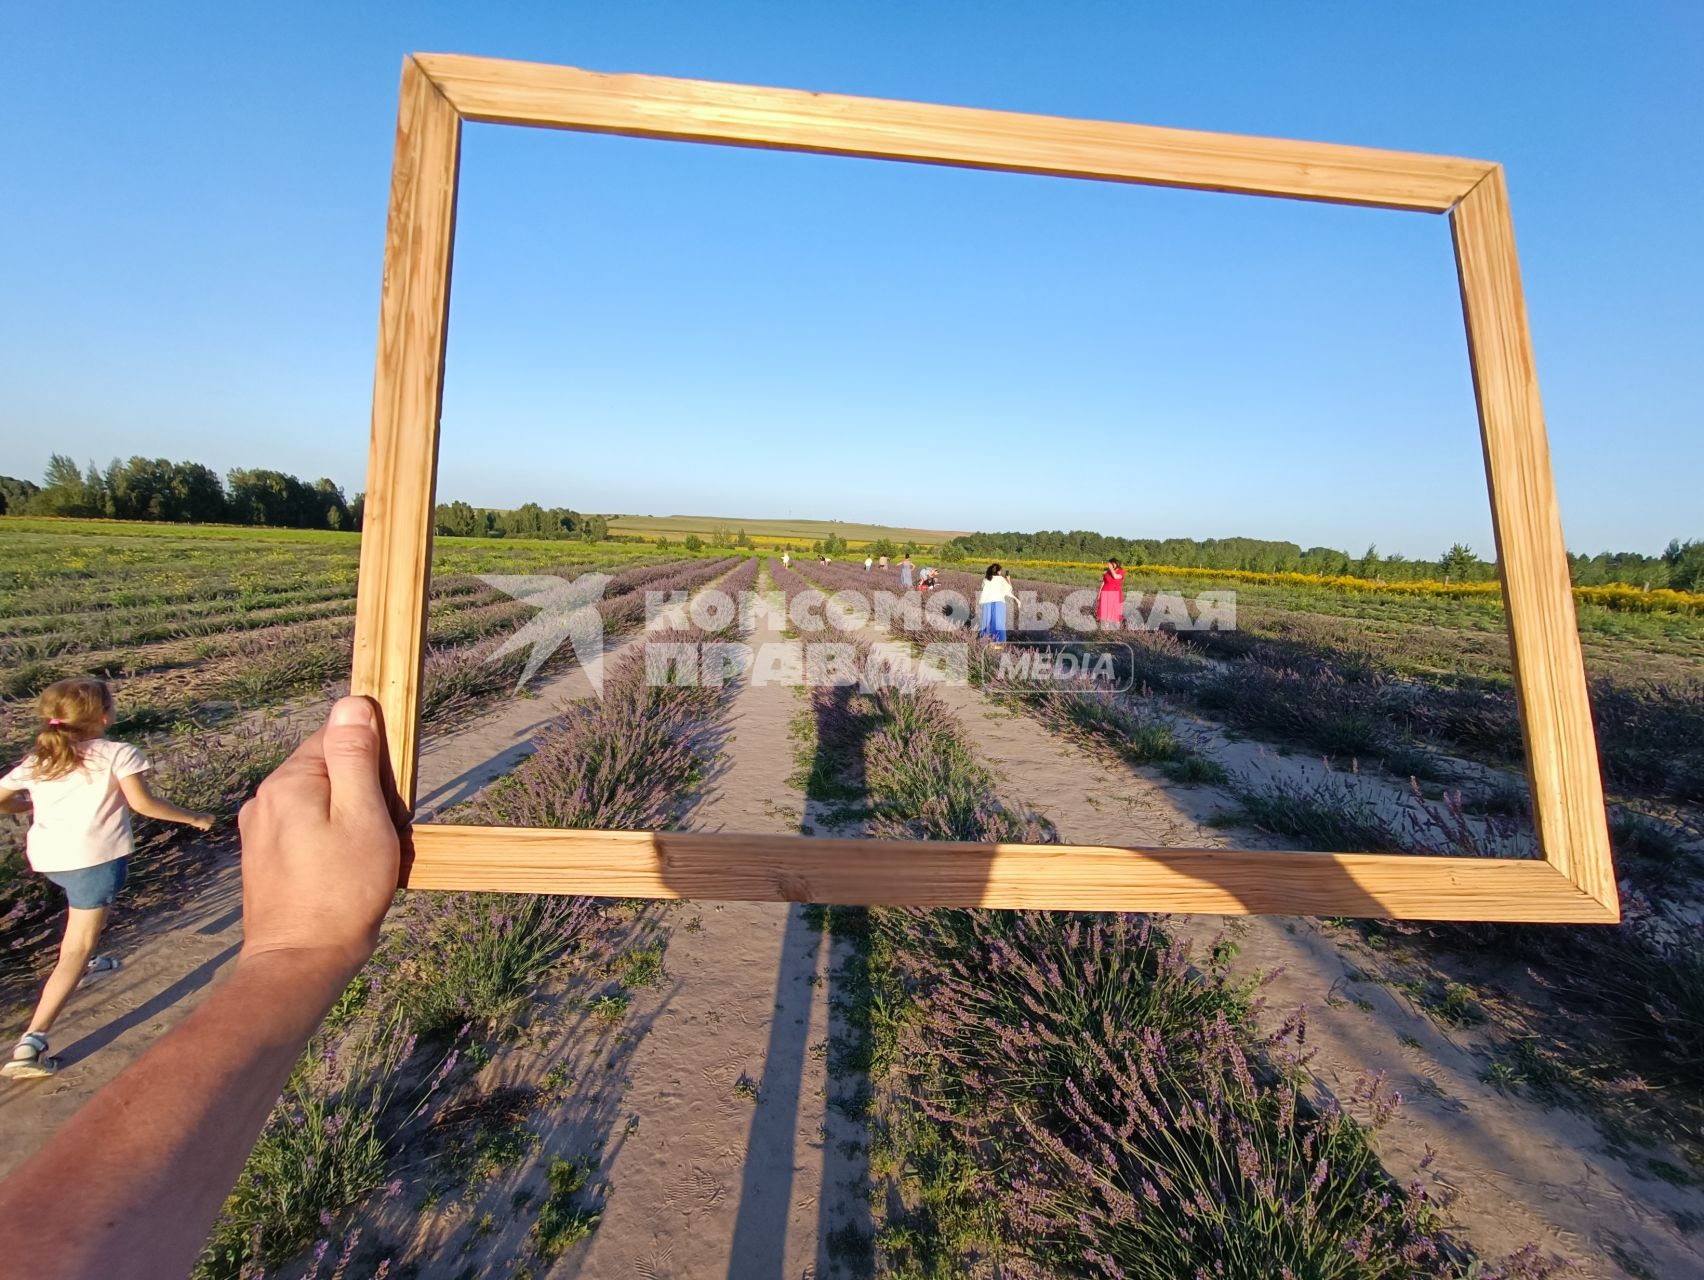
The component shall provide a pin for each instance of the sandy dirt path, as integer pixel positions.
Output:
(1521, 1173)
(715, 1182)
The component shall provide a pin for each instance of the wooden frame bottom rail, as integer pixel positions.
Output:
(1063, 877)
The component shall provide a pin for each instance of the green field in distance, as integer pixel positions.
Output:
(676, 527)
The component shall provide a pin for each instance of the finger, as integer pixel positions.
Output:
(300, 781)
(308, 759)
(352, 761)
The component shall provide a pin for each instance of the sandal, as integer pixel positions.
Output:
(29, 1059)
(99, 967)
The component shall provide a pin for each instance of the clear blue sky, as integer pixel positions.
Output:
(192, 217)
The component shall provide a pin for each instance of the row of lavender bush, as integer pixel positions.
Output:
(460, 966)
(1643, 980)
(1076, 1094)
(215, 768)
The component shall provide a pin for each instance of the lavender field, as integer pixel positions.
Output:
(522, 1086)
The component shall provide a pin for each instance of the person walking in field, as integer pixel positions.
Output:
(786, 560)
(82, 789)
(1011, 600)
(906, 570)
(1109, 609)
(868, 562)
(996, 593)
(881, 562)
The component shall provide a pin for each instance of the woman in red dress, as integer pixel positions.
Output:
(1109, 610)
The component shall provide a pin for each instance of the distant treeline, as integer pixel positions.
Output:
(180, 492)
(190, 493)
(1681, 566)
(529, 520)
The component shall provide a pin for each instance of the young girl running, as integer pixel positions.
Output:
(82, 790)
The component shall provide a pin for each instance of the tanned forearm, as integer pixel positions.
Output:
(132, 1183)
(129, 1187)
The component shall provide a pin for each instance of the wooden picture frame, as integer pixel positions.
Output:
(1575, 881)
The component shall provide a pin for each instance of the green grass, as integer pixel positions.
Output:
(563, 1221)
(610, 1008)
(641, 967)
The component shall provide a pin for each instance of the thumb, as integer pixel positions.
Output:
(351, 747)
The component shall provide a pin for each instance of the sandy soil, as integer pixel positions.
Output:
(714, 1182)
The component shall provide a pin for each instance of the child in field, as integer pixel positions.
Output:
(82, 789)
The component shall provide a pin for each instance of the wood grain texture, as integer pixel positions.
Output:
(528, 93)
(402, 463)
(1544, 641)
(751, 868)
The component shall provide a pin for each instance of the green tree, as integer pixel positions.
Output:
(264, 497)
(198, 495)
(693, 542)
(66, 491)
(1458, 563)
(1685, 562)
(456, 520)
(140, 489)
(17, 496)
(332, 509)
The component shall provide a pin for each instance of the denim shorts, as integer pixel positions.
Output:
(88, 888)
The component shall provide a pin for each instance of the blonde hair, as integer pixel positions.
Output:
(72, 712)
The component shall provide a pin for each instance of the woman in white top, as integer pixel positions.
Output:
(82, 788)
(996, 591)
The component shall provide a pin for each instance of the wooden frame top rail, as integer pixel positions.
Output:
(1575, 881)
(530, 93)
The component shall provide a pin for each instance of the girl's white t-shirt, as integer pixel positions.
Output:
(81, 819)
(995, 590)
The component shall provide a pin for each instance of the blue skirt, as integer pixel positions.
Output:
(994, 621)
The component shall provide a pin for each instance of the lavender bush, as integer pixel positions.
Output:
(619, 762)
(476, 957)
(324, 1148)
(1075, 1095)
(464, 958)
